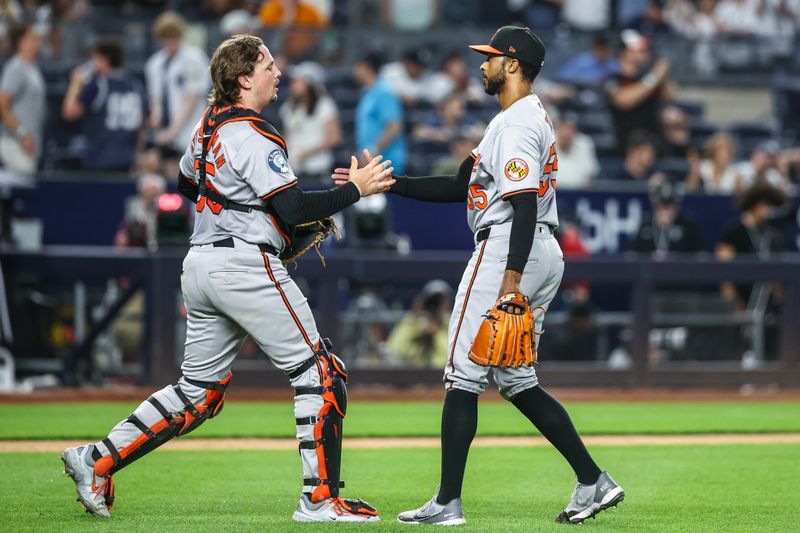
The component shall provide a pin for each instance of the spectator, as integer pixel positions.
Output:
(455, 77)
(675, 133)
(577, 161)
(697, 24)
(539, 13)
(587, 15)
(301, 21)
(592, 67)
(762, 167)
(752, 235)
(738, 18)
(668, 230)
(779, 20)
(239, 21)
(177, 83)
(635, 94)
(409, 78)
(379, 115)
(410, 15)
(450, 121)
(576, 339)
(311, 122)
(460, 147)
(139, 227)
(111, 102)
(639, 159)
(651, 21)
(22, 103)
(421, 335)
(715, 173)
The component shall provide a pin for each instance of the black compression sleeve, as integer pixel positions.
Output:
(436, 188)
(296, 206)
(523, 229)
(187, 187)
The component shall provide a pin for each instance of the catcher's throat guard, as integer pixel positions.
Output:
(328, 422)
(506, 337)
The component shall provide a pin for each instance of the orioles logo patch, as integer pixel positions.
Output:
(516, 169)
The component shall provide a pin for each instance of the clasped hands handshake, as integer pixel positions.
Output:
(374, 177)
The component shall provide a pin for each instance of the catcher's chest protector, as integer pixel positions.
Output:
(213, 119)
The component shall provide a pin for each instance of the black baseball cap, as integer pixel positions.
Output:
(514, 41)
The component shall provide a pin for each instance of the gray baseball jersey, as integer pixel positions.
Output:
(244, 166)
(516, 155)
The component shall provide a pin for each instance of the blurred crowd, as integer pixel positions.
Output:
(116, 86)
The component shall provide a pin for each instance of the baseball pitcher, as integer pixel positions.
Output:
(509, 185)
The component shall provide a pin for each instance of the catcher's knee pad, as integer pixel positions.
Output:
(326, 424)
(175, 415)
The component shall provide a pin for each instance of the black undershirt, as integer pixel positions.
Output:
(454, 189)
(294, 205)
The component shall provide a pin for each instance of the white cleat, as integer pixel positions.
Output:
(96, 493)
(435, 514)
(334, 510)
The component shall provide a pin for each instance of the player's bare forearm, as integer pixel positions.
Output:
(185, 114)
(510, 283)
(9, 120)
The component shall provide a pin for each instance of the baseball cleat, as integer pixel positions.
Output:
(334, 510)
(96, 493)
(588, 500)
(435, 514)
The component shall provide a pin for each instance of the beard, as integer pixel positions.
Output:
(493, 85)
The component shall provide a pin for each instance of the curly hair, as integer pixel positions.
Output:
(235, 57)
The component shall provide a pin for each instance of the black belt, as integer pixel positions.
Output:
(483, 234)
(264, 247)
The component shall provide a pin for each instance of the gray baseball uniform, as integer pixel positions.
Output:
(233, 288)
(516, 155)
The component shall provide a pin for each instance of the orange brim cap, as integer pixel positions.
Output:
(486, 49)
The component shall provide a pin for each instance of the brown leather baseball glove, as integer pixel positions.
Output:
(505, 338)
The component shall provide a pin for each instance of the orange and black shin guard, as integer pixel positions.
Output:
(327, 423)
(170, 425)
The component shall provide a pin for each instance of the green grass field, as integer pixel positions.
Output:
(718, 488)
(397, 419)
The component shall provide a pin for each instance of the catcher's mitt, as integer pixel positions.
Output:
(506, 339)
(307, 236)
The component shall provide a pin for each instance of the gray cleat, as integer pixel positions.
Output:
(96, 493)
(588, 500)
(435, 514)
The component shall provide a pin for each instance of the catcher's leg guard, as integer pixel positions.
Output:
(173, 411)
(320, 407)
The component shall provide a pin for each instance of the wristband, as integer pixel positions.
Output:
(20, 132)
(649, 80)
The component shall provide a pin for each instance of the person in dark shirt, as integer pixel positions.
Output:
(640, 158)
(636, 92)
(675, 133)
(752, 235)
(668, 230)
(111, 102)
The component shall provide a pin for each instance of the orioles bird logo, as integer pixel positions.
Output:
(516, 169)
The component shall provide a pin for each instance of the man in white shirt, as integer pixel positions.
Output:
(410, 78)
(177, 82)
(576, 155)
